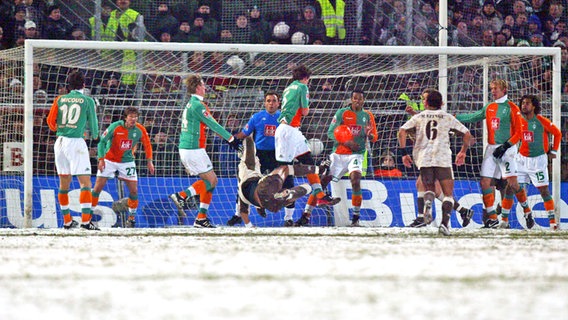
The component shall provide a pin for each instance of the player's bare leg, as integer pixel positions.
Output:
(132, 202)
(489, 202)
(357, 197)
(548, 206)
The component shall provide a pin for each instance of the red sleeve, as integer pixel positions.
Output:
(554, 130)
(145, 141)
(373, 127)
(515, 124)
(52, 117)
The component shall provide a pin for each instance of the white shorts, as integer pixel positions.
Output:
(72, 156)
(195, 161)
(533, 169)
(126, 170)
(290, 143)
(499, 168)
(345, 163)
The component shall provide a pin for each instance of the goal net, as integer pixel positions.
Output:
(150, 77)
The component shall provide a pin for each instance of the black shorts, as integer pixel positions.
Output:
(248, 189)
(267, 160)
(429, 175)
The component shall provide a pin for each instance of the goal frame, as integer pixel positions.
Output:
(441, 52)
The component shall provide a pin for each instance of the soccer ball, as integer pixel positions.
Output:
(300, 38)
(281, 30)
(343, 133)
(316, 146)
(236, 63)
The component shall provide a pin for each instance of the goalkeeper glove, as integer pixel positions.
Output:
(236, 144)
(500, 151)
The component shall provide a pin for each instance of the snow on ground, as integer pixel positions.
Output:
(278, 273)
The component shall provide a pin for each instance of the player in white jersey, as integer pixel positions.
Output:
(432, 154)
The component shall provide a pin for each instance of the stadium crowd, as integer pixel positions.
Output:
(489, 23)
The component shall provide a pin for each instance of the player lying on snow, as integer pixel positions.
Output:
(265, 192)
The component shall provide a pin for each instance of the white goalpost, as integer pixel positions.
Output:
(148, 75)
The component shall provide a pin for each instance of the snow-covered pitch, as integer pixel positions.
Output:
(278, 273)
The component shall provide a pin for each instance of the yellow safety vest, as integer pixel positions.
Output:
(333, 19)
(109, 33)
(128, 64)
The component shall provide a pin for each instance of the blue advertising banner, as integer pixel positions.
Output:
(386, 203)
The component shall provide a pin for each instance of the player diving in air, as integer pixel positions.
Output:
(266, 191)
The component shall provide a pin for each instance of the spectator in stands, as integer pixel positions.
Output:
(184, 10)
(240, 31)
(260, 31)
(509, 20)
(387, 166)
(461, 36)
(112, 85)
(540, 8)
(534, 24)
(14, 28)
(311, 25)
(398, 34)
(333, 16)
(491, 17)
(197, 27)
(165, 36)
(488, 38)
(535, 39)
(475, 29)
(506, 31)
(500, 40)
(375, 23)
(56, 27)
(521, 29)
(119, 25)
(106, 9)
(519, 6)
(164, 21)
(399, 12)
(164, 154)
(556, 11)
(30, 32)
(427, 17)
(422, 37)
(197, 61)
(185, 34)
(78, 34)
(40, 98)
(211, 27)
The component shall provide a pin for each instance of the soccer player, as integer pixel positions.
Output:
(465, 213)
(503, 120)
(195, 119)
(348, 157)
(69, 116)
(267, 192)
(535, 145)
(115, 154)
(262, 125)
(432, 154)
(291, 144)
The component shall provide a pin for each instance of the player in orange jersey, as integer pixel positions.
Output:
(115, 154)
(535, 150)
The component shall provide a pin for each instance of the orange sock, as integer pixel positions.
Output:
(205, 201)
(200, 187)
(488, 198)
(85, 199)
(521, 196)
(132, 204)
(549, 205)
(507, 203)
(356, 200)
